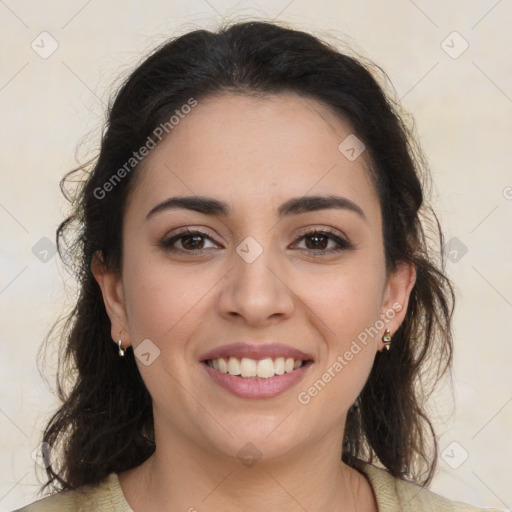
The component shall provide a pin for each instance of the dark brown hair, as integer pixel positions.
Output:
(105, 421)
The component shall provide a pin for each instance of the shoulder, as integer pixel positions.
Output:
(396, 494)
(103, 497)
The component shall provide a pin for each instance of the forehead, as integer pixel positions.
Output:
(256, 152)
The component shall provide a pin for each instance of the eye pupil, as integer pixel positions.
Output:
(193, 245)
(316, 238)
(316, 242)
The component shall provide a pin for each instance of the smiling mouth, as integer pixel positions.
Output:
(256, 369)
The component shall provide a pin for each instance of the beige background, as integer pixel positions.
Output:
(462, 105)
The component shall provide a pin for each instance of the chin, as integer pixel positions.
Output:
(256, 437)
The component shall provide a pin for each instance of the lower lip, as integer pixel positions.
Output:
(252, 388)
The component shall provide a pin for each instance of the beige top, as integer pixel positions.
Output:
(392, 495)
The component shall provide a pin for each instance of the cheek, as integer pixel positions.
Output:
(348, 300)
(347, 308)
(162, 302)
(165, 306)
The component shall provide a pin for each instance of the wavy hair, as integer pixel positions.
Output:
(104, 422)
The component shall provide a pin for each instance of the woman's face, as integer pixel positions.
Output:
(269, 273)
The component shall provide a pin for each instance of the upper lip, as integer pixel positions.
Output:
(255, 351)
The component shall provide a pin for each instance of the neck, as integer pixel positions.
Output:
(181, 475)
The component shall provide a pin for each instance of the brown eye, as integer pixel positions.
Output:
(190, 241)
(318, 242)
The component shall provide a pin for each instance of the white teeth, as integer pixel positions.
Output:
(262, 368)
(234, 366)
(223, 365)
(265, 368)
(279, 366)
(248, 367)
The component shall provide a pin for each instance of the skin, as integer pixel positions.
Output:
(253, 153)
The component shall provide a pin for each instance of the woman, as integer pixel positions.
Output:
(258, 302)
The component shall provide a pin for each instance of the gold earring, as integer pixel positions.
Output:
(121, 350)
(386, 338)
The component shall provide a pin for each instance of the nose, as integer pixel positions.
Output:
(257, 292)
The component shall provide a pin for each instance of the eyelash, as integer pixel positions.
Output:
(186, 233)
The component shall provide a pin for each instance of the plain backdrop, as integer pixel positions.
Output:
(450, 65)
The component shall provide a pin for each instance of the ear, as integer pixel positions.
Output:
(396, 295)
(111, 286)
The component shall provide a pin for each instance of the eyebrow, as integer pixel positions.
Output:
(294, 206)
